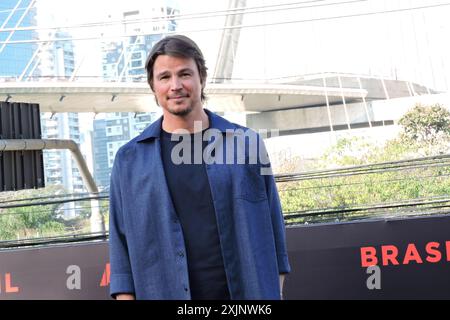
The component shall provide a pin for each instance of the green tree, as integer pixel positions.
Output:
(29, 221)
(425, 130)
(428, 127)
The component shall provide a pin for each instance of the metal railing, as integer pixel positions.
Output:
(51, 219)
(97, 223)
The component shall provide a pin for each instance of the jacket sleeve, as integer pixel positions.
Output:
(275, 211)
(121, 279)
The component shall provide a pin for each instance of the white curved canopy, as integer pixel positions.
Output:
(137, 97)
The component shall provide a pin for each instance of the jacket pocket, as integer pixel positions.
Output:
(251, 184)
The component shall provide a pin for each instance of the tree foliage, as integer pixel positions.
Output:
(30, 221)
(425, 131)
(427, 127)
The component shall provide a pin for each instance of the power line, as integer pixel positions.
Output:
(57, 210)
(53, 196)
(361, 183)
(234, 27)
(201, 15)
(434, 201)
(433, 161)
(362, 172)
(197, 15)
(63, 239)
(43, 203)
(209, 12)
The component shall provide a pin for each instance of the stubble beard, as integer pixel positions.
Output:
(182, 112)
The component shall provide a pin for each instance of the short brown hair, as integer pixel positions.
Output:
(177, 46)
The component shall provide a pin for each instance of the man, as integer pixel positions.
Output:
(185, 223)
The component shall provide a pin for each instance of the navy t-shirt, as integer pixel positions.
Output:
(191, 195)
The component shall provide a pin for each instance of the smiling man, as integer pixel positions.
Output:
(201, 230)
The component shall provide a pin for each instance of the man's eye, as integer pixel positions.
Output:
(185, 75)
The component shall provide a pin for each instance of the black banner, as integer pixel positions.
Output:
(20, 169)
(391, 259)
(388, 259)
(77, 271)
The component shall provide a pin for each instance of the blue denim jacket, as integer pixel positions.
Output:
(147, 251)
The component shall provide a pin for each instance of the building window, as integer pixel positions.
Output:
(136, 64)
(136, 56)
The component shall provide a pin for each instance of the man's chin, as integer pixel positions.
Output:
(182, 111)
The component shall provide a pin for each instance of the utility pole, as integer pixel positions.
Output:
(229, 42)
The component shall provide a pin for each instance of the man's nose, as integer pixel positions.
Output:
(175, 84)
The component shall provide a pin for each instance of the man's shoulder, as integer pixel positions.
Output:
(124, 151)
(131, 146)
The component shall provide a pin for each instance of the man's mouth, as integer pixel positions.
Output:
(177, 97)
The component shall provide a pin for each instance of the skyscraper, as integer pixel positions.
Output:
(124, 61)
(56, 61)
(15, 57)
(109, 135)
(60, 168)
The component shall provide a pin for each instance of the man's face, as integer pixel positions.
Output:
(176, 84)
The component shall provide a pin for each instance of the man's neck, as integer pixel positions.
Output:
(195, 121)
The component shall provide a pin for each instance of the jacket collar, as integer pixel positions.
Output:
(215, 121)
